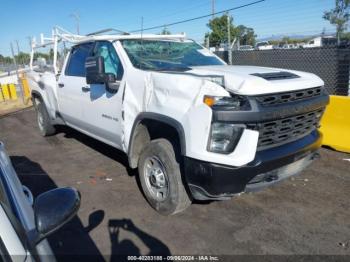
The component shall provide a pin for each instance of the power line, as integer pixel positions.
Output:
(189, 8)
(199, 17)
(212, 8)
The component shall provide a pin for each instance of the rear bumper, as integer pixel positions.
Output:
(212, 181)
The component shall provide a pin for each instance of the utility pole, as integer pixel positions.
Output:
(20, 61)
(29, 41)
(208, 41)
(77, 20)
(18, 79)
(18, 51)
(229, 50)
(212, 9)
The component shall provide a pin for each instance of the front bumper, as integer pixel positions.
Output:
(212, 181)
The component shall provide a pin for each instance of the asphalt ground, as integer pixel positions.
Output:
(306, 215)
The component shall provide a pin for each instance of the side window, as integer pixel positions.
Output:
(112, 62)
(76, 62)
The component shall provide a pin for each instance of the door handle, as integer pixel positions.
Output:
(85, 89)
(60, 85)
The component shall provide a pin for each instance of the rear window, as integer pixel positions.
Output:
(76, 63)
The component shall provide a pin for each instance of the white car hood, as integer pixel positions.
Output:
(239, 79)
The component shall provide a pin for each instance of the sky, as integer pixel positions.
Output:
(27, 18)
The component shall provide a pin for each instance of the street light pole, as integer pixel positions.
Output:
(17, 73)
(20, 61)
(77, 20)
(229, 39)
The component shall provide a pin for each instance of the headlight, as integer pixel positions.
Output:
(226, 102)
(224, 137)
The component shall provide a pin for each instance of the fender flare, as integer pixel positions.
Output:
(163, 119)
(57, 118)
(36, 94)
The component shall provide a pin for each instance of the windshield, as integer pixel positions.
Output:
(168, 55)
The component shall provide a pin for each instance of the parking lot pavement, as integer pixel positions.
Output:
(305, 215)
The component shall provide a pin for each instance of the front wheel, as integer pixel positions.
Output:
(160, 178)
(43, 119)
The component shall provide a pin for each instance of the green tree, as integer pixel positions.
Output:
(218, 34)
(346, 36)
(165, 31)
(5, 59)
(246, 35)
(22, 58)
(339, 16)
(43, 55)
(218, 27)
(286, 40)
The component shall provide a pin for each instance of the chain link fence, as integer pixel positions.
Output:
(332, 64)
(5, 69)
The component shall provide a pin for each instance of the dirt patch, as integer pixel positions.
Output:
(8, 107)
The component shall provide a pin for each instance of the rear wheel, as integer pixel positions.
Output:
(43, 119)
(160, 178)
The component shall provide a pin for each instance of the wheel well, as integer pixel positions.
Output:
(36, 96)
(148, 130)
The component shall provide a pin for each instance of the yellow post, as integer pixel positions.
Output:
(1, 95)
(26, 90)
(5, 91)
(13, 92)
(335, 124)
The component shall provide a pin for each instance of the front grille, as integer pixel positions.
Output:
(275, 99)
(281, 131)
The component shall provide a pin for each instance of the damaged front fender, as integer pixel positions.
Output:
(179, 99)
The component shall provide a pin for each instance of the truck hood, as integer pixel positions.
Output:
(250, 80)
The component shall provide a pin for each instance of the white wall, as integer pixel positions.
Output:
(12, 79)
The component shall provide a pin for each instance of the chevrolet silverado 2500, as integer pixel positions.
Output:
(195, 127)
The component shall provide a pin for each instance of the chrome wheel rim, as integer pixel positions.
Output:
(156, 178)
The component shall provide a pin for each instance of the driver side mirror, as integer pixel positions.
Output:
(55, 208)
(96, 74)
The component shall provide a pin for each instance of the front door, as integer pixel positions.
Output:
(102, 108)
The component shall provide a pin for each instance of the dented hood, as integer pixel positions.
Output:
(251, 80)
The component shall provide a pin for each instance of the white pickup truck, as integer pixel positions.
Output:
(195, 127)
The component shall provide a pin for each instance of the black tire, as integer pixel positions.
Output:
(43, 119)
(176, 199)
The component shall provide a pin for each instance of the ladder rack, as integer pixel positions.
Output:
(61, 35)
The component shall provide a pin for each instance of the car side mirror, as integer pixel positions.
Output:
(55, 208)
(95, 70)
(96, 74)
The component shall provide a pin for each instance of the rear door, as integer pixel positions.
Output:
(102, 108)
(72, 85)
